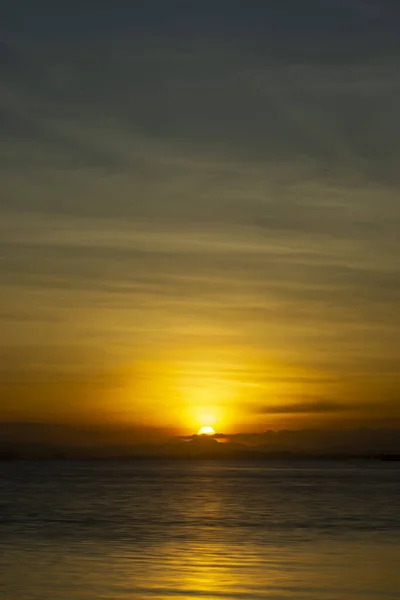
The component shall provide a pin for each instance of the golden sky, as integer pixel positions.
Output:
(199, 231)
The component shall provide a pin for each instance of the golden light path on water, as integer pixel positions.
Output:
(208, 567)
(200, 529)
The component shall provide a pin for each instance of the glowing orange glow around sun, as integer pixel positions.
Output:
(206, 431)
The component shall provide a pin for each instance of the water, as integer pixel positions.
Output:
(209, 530)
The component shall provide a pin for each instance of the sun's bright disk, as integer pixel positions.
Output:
(206, 431)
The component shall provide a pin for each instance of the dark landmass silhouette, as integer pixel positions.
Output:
(45, 441)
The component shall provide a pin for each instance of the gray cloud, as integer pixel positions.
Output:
(308, 406)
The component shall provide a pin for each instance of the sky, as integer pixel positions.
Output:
(200, 214)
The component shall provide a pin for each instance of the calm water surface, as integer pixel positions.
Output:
(94, 531)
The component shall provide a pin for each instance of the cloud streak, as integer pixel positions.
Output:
(223, 188)
(316, 406)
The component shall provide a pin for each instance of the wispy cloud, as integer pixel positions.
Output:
(314, 406)
(178, 190)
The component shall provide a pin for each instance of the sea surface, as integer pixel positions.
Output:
(202, 530)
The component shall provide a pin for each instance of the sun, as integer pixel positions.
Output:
(206, 431)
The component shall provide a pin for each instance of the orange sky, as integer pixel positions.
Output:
(197, 233)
